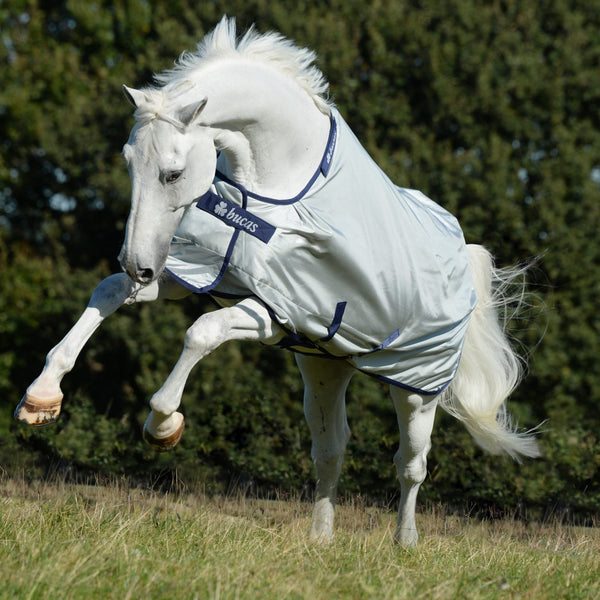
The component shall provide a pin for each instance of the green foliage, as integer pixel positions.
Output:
(489, 108)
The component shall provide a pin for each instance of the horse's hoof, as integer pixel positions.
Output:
(164, 443)
(35, 411)
(406, 538)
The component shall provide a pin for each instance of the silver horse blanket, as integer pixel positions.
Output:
(353, 267)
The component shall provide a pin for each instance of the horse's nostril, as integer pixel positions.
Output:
(144, 276)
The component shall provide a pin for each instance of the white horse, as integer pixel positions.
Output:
(251, 114)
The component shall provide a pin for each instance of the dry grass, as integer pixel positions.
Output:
(63, 541)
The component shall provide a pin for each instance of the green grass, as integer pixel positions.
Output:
(102, 542)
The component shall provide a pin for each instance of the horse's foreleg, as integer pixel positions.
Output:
(415, 420)
(247, 320)
(41, 403)
(325, 383)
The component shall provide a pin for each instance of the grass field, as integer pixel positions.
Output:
(103, 542)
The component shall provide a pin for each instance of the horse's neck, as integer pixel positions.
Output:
(270, 133)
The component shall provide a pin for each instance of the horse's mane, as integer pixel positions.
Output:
(269, 47)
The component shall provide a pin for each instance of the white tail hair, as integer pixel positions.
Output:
(489, 368)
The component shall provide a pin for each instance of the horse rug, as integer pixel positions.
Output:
(353, 267)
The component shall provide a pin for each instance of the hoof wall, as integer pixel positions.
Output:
(406, 538)
(165, 443)
(35, 411)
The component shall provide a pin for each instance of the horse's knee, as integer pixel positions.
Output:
(411, 471)
(207, 333)
(116, 283)
(117, 288)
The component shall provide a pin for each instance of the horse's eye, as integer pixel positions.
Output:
(173, 176)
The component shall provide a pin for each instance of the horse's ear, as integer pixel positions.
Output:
(135, 97)
(188, 114)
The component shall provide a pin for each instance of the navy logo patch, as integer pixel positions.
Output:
(236, 216)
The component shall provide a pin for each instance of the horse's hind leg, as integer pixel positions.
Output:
(41, 403)
(325, 384)
(415, 415)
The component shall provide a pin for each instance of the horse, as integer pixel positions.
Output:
(248, 185)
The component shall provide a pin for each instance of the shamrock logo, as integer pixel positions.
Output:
(221, 209)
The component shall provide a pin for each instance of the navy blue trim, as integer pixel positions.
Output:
(182, 282)
(292, 341)
(234, 216)
(291, 338)
(337, 321)
(224, 266)
(390, 339)
(329, 149)
(408, 388)
(323, 169)
(217, 280)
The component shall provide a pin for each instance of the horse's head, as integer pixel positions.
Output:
(171, 161)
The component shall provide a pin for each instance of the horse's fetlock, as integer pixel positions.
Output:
(161, 406)
(58, 359)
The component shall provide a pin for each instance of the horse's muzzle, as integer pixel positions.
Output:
(142, 275)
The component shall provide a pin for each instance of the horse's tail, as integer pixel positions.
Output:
(489, 368)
